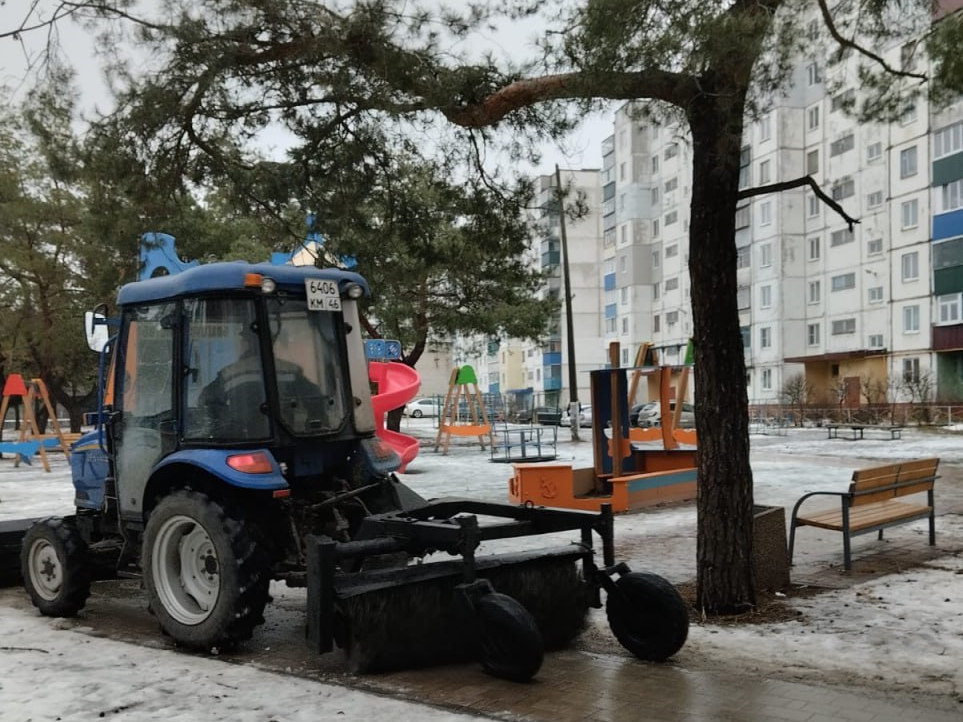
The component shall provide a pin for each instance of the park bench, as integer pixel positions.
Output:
(873, 503)
(857, 430)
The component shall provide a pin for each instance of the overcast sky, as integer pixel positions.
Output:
(582, 149)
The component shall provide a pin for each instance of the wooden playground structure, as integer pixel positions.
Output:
(633, 468)
(30, 440)
(464, 412)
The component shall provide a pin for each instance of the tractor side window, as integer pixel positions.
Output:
(146, 356)
(310, 369)
(224, 375)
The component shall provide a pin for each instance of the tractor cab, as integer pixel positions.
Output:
(251, 374)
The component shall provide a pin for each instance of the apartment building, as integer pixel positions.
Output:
(868, 313)
(537, 373)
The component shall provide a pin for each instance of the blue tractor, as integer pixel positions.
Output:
(236, 446)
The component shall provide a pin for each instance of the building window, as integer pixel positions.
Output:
(671, 284)
(909, 212)
(655, 228)
(623, 265)
(843, 282)
(911, 370)
(671, 184)
(656, 290)
(844, 327)
(765, 127)
(875, 199)
(841, 237)
(765, 255)
(622, 171)
(672, 318)
(625, 326)
(813, 205)
(908, 114)
(743, 218)
(875, 294)
(812, 162)
(765, 213)
(814, 249)
(813, 74)
(838, 147)
(655, 164)
(951, 196)
(765, 296)
(671, 217)
(672, 251)
(764, 172)
(610, 325)
(765, 337)
(842, 100)
(907, 162)
(874, 246)
(874, 151)
(743, 297)
(624, 295)
(812, 334)
(746, 337)
(671, 151)
(655, 196)
(911, 319)
(657, 323)
(815, 291)
(876, 340)
(948, 140)
(949, 308)
(745, 158)
(656, 260)
(742, 257)
(843, 189)
(812, 118)
(910, 266)
(767, 379)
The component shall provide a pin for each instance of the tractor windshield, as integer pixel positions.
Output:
(310, 367)
(224, 379)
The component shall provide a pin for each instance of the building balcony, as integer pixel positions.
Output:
(948, 338)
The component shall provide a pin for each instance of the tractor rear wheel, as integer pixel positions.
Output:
(648, 616)
(207, 578)
(53, 562)
(509, 643)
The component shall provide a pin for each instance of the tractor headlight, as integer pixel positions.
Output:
(268, 285)
(354, 291)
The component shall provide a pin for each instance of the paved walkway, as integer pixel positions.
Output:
(577, 687)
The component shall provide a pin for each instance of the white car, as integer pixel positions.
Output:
(421, 407)
(584, 417)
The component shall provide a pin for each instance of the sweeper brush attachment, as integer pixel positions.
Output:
(501, 609)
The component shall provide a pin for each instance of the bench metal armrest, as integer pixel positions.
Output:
(844, 496)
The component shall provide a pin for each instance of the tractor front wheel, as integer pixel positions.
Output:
(207, 578)
(53, 562)
(648, 616)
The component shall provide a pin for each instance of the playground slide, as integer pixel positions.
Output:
(397, 385)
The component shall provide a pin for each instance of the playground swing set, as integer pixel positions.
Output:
(30, 440)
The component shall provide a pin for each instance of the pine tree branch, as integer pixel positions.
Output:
(798, 183)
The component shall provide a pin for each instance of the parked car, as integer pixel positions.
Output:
(421, 407)
(584, 418)
(650, 414)
(548, 415)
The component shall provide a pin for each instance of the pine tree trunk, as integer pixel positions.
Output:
(725, 504)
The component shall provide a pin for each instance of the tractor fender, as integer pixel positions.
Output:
(215, 463)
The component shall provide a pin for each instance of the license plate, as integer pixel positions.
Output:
(323, 295)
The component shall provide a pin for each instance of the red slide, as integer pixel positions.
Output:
(398, 384)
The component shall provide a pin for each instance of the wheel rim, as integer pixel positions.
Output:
(46, 570)
(185, 570)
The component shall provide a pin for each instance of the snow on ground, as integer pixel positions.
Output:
(909, 624)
